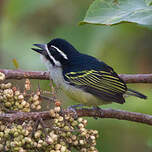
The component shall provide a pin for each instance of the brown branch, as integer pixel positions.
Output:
(43, 75)
(20, 74)
(136, 78)
(98, 113)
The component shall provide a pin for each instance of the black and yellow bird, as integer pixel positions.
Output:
(82, 77)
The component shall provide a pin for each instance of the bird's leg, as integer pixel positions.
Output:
(96, 108)
(73, 109)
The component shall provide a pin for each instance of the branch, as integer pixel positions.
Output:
(98, 113)
(20, 74)
(137, 78)
(43, 75)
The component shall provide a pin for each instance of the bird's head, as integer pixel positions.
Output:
(58, 52)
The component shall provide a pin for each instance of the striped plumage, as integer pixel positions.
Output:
(83, 77)
(105, 85)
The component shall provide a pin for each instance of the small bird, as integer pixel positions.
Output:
(83, 78)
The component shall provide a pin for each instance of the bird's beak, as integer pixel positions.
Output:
(41, 46)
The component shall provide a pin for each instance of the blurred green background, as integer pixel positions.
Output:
(125, 47)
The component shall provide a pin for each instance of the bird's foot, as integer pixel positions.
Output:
(97, 109)
(73, 109)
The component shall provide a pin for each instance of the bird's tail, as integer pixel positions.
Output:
(135, 93)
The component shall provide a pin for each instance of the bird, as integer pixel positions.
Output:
(82, 77)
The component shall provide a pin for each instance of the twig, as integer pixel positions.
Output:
(136, 78)
(19, 74)
(98, 113)
(43, 75)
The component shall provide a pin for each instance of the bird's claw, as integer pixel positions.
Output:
(96, 108)
(73, 109)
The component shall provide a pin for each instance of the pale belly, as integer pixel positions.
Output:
(82, 97)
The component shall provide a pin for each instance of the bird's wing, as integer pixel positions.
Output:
(105, 85)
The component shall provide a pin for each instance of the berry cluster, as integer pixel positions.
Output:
(15, 100)
(72, 133)
(60, 133)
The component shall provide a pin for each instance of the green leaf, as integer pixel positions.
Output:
(109, 12)
(148, 2)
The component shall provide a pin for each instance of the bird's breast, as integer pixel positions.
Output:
(55, 72)
(57, 77)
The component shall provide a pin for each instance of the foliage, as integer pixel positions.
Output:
(148, 2)
(112, 12)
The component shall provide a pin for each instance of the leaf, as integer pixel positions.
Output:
(148, 2)
(110, 12)
(15, 63)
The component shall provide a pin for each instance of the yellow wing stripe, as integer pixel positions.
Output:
(103, 87)
(104, 83)
(87, 72)
(96, 79)
(116, 83)
(109, 76)
(89, 83)
(100, 80)
(113, 87)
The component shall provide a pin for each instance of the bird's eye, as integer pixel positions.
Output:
(57, 53)
(60, 52)
(54, 53)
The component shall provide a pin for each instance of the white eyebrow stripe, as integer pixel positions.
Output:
(56, 62)
(62, 53)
